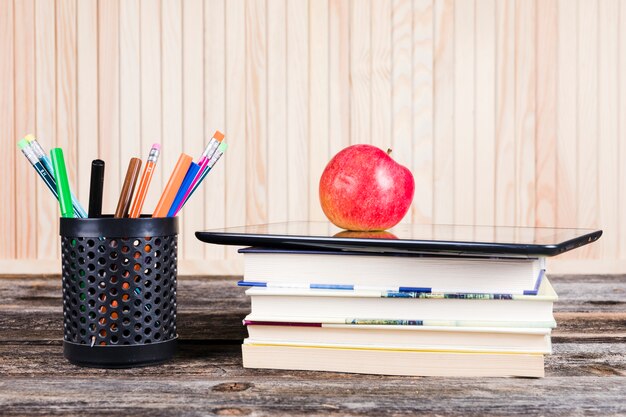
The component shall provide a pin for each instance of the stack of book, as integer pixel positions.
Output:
(397, 314)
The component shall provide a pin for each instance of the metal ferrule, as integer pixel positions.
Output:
(37, 149)
(154, 155)
(214, 159)
(30, 155)
(210, 148)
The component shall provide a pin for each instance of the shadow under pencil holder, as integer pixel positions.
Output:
(119, 290)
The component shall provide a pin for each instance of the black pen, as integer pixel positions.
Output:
(95, 189)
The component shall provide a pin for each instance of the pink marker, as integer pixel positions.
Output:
(210, 149)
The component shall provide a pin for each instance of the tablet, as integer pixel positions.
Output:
(420, 238)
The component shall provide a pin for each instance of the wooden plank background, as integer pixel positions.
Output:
(508, 112)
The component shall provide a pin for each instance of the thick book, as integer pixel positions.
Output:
(361, 306)
(393, 271)
(439, 338)
(392, 362)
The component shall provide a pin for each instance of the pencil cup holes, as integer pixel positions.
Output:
(93, 298)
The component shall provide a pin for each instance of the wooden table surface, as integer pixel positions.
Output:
(586, 374)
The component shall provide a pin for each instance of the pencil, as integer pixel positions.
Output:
(134, 166)
(142, 191)
(173, 184)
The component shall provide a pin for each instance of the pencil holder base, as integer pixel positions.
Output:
(114, 357)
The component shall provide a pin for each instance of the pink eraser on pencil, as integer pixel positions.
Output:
(156, 146)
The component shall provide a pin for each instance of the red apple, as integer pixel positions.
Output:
(363, 188)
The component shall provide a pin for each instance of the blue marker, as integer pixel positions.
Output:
(40, 154)
(189, 177)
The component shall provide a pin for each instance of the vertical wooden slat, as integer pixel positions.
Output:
(588, 119)
(485, 102)
(546, 141)
(360, 71)
(297, 109)
(235, 161)
(150, 100)
(401, 79)
(318, 102)
(256, 112)
(25, 177)
(422, 111)
(193, 114)
(443, 181)
(505, 112)
(381, 87)
(277, 191)
(464, 127)
(130, 90)
(567, 99)
(172, 98)
(108, 105)
(339, 75)
(622, 131)
(66, 85)
(45, 94)
(87, 91)
(525, 88)
(608, 102)
(8, 150)
(215, 118)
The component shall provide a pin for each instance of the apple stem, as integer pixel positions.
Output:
(389, 151)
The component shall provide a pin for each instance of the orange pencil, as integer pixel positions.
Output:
(142, 191)
(173, 184)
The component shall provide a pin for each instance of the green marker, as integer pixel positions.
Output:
(63, 186)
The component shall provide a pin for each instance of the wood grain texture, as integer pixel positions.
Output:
(214, 210)
(45, 80)
(505, 187)
(7, 146)
(584, 375)
(622, 131)
(24, 123)
(235, 101)
(546, 115)
(130, 89)
(587, 119)
(109, 101)
(422, 111)
(485, 102)
(171, 56)
(567, 122)
(443, 67)
(525, 110)
(65, 13)
(277, 161)
(464, 111)
(608, 135)
(151, 84)
(87, 91)
(256, 112)
(319, 114)
(361, 71)
(507, 112)
(297, 109)
(339, 75)
(194, 136)
(401, 79)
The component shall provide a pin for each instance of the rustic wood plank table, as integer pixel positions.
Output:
(586, 375)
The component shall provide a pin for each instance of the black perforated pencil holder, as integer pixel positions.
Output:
(119, 290)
